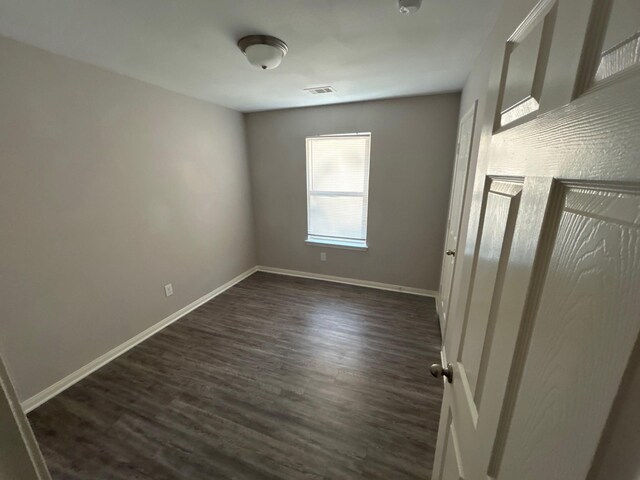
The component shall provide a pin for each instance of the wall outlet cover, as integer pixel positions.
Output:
(168, 290)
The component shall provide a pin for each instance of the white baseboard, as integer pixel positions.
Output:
(61, 385)
(350, 281)
(73, 378)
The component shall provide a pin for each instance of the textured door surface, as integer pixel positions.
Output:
(544, 339)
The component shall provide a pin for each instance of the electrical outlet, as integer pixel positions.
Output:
(168, 289)
(323, 257)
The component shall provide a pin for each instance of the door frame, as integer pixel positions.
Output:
(473, 113)
(17, 426)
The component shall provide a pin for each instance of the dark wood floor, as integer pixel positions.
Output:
(278, 377)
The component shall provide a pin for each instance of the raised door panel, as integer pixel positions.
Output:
(521, 73)
(525, 66)
(612, 43)
(496, 233)
(583, 328)
(621, 44)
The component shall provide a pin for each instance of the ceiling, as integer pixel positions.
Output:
(364, 48)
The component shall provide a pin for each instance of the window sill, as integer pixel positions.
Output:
(363, 247)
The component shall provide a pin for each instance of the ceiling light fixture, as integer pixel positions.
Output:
(263, 51)
(407, 7)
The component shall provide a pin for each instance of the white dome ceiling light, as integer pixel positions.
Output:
(407, 7)
(263, 51)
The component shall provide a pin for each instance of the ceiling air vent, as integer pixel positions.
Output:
(319, 90)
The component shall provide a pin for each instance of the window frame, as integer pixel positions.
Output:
(332, 241)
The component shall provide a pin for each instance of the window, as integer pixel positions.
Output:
(338, 189)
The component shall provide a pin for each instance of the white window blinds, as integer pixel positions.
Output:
(338, 189)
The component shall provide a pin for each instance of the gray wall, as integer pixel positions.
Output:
(109, 189)
(412, 155)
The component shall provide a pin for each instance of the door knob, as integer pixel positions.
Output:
(438, 371)
(451, 253)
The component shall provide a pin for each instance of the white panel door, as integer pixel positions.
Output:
(542, 342)
(458, 188)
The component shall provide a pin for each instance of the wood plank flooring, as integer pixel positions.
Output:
(277, 378)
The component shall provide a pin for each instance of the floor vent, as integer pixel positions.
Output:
(319, 90)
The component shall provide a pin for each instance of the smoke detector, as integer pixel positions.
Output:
(407, 7)
(263, 51)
